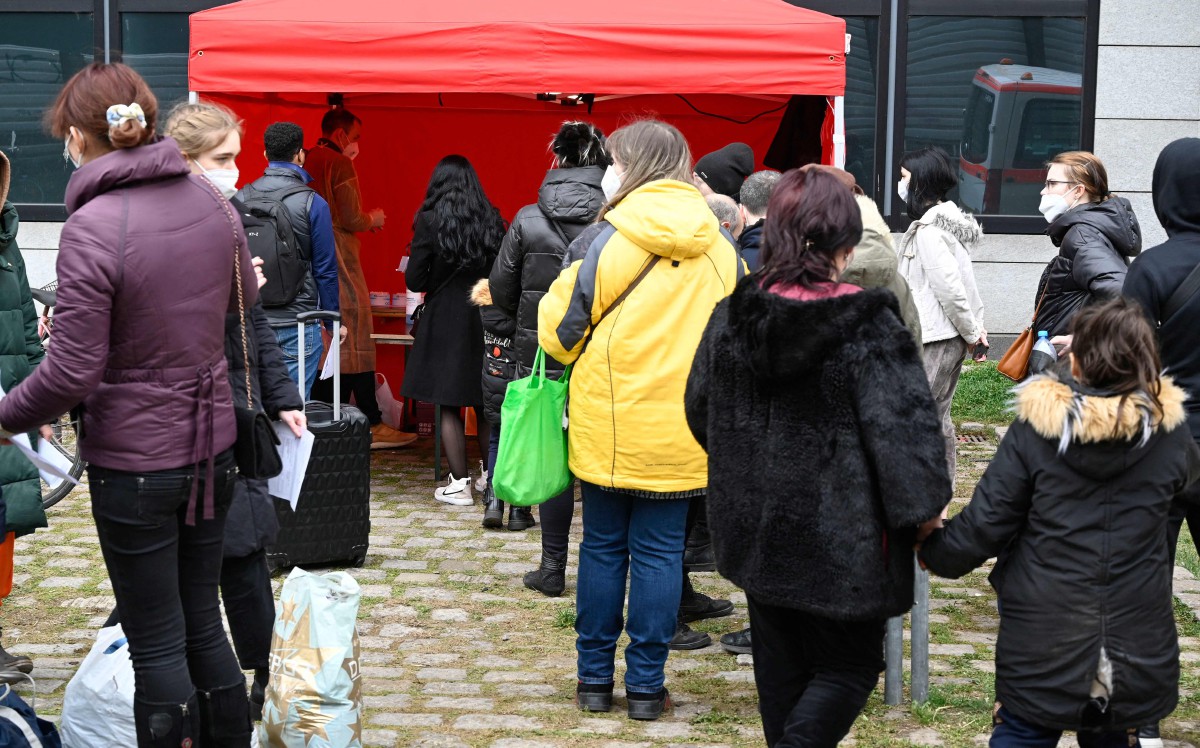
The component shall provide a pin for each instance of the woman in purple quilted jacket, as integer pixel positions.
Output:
(145, 278)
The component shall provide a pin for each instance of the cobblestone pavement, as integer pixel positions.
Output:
(456, 652)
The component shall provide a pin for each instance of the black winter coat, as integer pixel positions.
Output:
(447, 353)
(1076, 506)
(824, 450)
(251, 524)
(1156, 275)
(751, 245)
(1095, 243)
(530, 259)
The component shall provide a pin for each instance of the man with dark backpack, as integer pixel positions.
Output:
(295, 242)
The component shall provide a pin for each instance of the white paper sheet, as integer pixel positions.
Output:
(50, 470)
(327, 369)
(54, 456)
(294, 452)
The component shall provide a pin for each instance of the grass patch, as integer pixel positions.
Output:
(564, 618)
(982, 395)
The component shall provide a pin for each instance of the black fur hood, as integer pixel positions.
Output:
(784, 339)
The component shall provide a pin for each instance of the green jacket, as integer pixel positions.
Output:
(874, 265)
(20, 351)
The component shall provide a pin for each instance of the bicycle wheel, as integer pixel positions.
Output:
(65, 441)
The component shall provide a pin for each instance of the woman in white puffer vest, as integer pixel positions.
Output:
(935, 260)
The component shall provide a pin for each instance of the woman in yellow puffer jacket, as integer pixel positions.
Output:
(629, 312)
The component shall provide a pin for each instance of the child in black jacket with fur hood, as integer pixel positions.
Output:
(824, 457)
(1076, 506)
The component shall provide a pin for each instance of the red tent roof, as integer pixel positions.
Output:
(517, 46)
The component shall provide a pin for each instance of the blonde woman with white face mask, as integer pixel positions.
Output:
(210, 139)
(1097, 235)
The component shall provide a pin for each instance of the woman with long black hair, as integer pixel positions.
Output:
(456, 235)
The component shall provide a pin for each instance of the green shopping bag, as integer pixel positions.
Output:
(531, 465)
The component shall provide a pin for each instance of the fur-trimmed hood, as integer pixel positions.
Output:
(950, 218)
(481, 293)
(1115, 434)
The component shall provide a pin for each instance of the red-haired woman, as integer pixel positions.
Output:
(816, 385)
(145, 278)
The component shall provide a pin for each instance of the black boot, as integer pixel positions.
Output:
(550, 578)
(258, 693)
(698, 553)
(10, 662)
(493, 511)
(696, 606)
(167, 725)
(225, 717)
(520, 518)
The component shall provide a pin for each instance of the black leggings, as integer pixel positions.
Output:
(360, 385)
(250, 607)
(164, 574)
(454, 438)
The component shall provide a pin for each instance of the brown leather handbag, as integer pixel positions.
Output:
(1014, 364)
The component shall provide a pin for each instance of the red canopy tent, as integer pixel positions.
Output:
(463, 76)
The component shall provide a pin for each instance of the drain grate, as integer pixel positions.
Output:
(972, 439)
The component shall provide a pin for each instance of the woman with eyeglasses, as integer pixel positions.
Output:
(1097, 235)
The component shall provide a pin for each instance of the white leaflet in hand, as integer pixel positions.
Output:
(327, 369)
(403, 264)
(55, 457)
(21, 442)
(294, 452)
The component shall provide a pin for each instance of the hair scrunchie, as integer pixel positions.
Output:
(118, 113)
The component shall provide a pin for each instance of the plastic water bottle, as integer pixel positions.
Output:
(1043, 355)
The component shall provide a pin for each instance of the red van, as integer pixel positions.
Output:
(1017, 118)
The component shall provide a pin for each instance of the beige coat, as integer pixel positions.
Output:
(335, 180)
(875, 265)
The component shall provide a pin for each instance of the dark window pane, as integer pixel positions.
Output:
(38, 53)
(1000, 95)
(156, 45)
(1048, 127)
(861, 76)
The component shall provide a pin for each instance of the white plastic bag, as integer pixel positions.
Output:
(314, 696)
(393, 411)
(97, 709)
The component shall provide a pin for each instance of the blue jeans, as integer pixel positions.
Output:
(1010, 731)
(644, 538)
(291, 353)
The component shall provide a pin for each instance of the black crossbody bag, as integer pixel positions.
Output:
(1182, 295)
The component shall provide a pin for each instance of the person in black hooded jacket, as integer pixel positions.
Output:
(1096, 233)
(1075, 504)
(530, 259)
(1155, 276)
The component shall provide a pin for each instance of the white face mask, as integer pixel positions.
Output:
(1053, 206)
(902, 189)
(611, 183)
(224, 179)
(351, 151)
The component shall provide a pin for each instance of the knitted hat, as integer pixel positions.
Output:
(726, 169)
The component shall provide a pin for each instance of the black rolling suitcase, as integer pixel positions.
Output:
(332, 521)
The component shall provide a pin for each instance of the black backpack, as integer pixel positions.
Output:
(284, 264)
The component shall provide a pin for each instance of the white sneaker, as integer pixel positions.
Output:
(481, 481)
(456, 492)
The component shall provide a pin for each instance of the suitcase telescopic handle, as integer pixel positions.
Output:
(336, 351)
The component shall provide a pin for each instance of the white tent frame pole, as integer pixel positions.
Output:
(839, 132)
(193, 97)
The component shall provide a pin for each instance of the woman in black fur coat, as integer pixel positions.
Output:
(824, 458)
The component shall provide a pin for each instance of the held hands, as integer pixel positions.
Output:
(924, 530)
(295, 420)
(257, 262)
(377, 218)
(981, 346)
(1062, 343)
